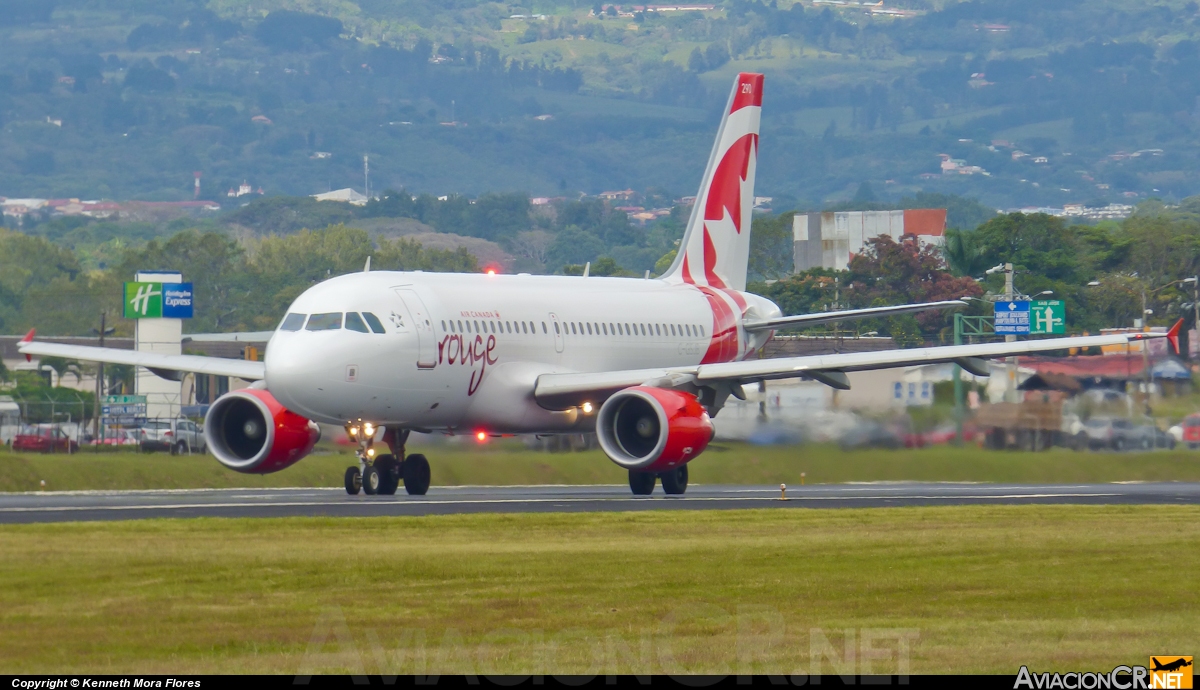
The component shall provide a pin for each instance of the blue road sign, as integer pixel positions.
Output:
(1012, 318)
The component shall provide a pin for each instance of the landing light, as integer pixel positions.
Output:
(353, 431)
(369, 429)
(491, 271)
(587, 408)
(481, 436)
(370, 452)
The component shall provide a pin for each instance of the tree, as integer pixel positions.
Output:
(771, 247)
(62, 366)
(574, 246)
(889, 272)
(290, 30)
(963, 253)
(696, 62)
(147, 78)
(864, 194)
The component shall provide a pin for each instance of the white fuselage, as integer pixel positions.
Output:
(462, 352)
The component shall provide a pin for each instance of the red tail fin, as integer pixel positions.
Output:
(716, 243)
(28, 339)
(1173, 335)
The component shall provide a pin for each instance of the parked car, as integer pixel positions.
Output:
(118, 437)
(1109, 432)
(1191, 430)
(178, 436)
(46, 438)
(1147, 436)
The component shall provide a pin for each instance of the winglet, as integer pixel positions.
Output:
(26, 340)
(1173, 335)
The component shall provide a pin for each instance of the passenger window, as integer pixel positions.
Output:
(672, 329)
(324, 322)
(460, 327)
(354, 322)
(589, 329)
(572, 328)
(702, 331)
(643, 328)
(373, 322)
(292, 322)
(556, 328)
(443, 324)
(508, 325)
(605, 328)
(657, 330)
(544, 329)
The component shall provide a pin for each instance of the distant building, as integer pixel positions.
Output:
(347, 196)
(262, 120)
(830, 239)
(622, 195)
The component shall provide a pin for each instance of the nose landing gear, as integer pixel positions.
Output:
(382, 474)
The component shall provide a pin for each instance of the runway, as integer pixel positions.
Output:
(184, 503)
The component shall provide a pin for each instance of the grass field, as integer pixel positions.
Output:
(966, 589)
(510, 463)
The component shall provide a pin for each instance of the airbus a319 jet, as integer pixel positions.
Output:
(644, 363)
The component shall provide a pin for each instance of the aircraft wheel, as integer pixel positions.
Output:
(371, 480)
(389, 474)
(642, 483)
(415, 469)
(353, 480)
(674, 481)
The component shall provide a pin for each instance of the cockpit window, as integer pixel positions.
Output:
(292, 322)
(324, 322)
(373, 320)
(354, 322)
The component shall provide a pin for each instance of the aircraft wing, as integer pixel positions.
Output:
(166, 366)
(848, 315)
(560, 391)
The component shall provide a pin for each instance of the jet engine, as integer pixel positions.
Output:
(652, 429)
(249, 431)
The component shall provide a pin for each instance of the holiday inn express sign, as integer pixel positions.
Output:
(158, 300)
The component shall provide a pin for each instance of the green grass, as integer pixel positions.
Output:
(974, 589)
(508, 463)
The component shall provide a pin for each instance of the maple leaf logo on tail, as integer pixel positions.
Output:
(716, 244)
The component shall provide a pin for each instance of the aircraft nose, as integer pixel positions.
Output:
(300, 373)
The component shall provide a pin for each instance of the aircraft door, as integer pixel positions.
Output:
(558, 332)
(421, 322)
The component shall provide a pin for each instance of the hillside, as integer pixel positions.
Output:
(1029, 102)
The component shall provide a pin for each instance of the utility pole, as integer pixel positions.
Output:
(366, 177)
(1146, 382)
(1011, 363)
(100, 376)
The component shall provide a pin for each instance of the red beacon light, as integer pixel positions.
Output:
(491, 269)
(481, 436)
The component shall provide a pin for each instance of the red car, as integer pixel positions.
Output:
(1191, 430)
(44, 439)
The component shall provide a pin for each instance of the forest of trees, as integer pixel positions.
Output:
(248, 264)
(443, 97)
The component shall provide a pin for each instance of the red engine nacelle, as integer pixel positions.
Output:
(249, 431)
(652, 429)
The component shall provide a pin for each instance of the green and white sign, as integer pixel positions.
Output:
(1048, 317)
(124, 400)
(158, 300)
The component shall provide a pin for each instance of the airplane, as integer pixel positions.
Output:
(644, 363)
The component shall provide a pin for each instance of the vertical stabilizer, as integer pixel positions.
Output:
(716, 244)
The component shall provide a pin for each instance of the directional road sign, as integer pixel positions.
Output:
(1012, 318)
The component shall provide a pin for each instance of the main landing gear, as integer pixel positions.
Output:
(674, 482)
(383, 474)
